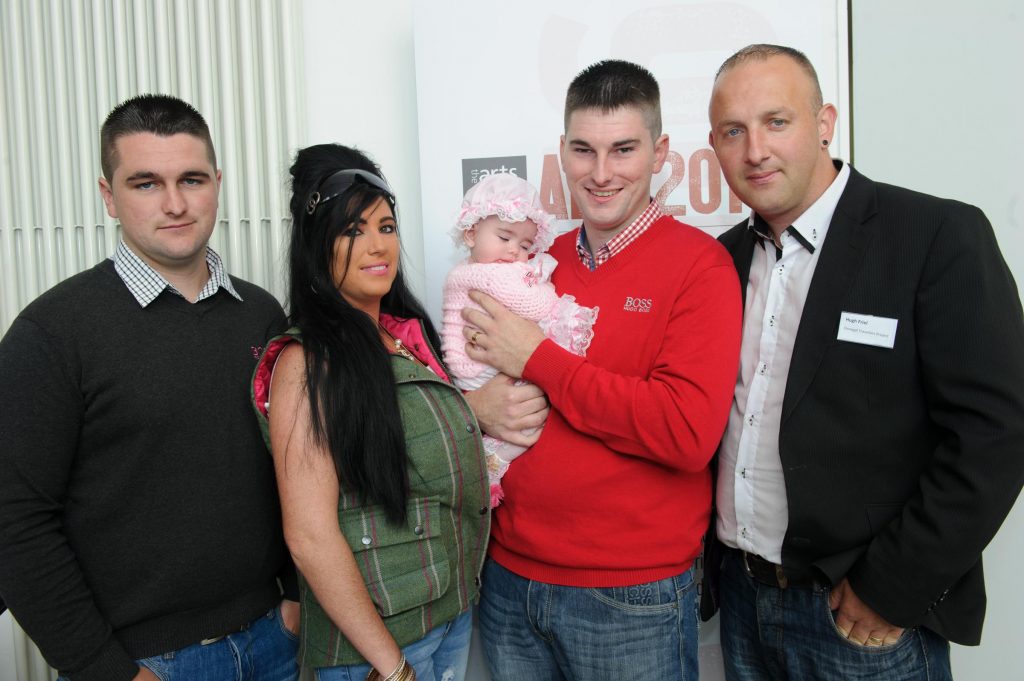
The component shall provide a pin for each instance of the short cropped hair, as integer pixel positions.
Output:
(161, 115)
(764, 52)
(612, 84)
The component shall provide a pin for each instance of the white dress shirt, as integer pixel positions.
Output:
(752, 510)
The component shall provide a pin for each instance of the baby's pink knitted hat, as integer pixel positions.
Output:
(510, 198)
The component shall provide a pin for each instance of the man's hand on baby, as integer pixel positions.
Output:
(499, 338)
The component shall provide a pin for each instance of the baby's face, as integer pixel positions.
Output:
(494, 240)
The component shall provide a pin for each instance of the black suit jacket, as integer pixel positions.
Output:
(900, 464)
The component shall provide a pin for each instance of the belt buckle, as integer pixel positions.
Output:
(781, 577)
(746, 564)
(781, 580)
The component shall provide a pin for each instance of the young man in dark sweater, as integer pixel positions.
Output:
(140, 532)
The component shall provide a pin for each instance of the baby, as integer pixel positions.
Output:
(502, 224)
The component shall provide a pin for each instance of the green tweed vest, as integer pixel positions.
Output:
(424, 573)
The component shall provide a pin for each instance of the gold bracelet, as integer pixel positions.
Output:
(403, 672)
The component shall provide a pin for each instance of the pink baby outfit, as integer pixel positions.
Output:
(525, 288)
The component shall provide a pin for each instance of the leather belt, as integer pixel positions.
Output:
(772, 574)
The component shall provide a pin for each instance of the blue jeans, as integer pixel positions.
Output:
(543, 632)
(441, 655)
(263, 651)
(772, 633)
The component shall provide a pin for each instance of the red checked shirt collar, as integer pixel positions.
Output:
(620, 241)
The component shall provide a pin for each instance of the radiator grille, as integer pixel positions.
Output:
(67, 63)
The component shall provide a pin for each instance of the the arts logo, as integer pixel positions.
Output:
(476, 169)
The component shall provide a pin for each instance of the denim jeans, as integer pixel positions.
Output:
(543, 632)
(772, 633)
(263, 651)
(441, 655)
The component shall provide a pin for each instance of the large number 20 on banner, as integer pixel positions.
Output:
(491, 81)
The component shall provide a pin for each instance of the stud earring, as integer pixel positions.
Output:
(824, 143)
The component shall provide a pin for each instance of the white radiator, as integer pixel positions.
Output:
(64, 64)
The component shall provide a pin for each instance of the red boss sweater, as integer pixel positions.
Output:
(617, 491)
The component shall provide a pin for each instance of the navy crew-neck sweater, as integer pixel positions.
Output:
(138, 508)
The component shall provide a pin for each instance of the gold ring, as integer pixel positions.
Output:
(874, 640)
(472, 339)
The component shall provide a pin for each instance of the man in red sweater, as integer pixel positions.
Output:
(590, 574)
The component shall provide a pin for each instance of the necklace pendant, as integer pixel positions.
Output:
(402, 350)
(399, 348)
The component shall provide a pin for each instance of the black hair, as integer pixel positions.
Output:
(612, 84)
(161, 115)
(353, 405)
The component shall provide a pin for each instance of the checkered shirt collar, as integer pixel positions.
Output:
(146, 284)
(620, 241)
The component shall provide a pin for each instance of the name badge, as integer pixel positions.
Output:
(867, 330)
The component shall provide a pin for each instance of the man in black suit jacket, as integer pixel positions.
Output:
(876, 439)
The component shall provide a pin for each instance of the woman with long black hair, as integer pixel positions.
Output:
(378, 457)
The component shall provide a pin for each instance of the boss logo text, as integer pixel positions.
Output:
(637, 304)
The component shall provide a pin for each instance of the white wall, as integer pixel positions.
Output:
(937, 107)
(938, 104)
(361, 91)
(7, 658)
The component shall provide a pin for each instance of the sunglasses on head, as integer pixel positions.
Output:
(337, 184)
